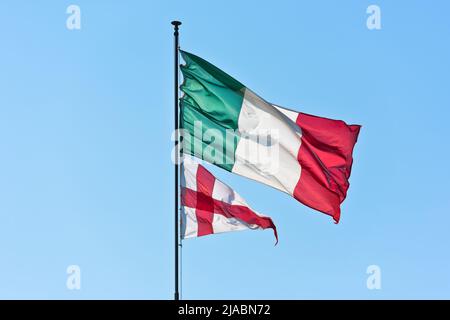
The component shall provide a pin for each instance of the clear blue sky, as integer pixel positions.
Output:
(85, 171)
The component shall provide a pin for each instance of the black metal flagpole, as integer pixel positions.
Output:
(176, 24)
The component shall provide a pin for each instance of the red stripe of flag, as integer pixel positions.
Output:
(325, 156)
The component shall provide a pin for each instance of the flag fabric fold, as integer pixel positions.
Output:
(209, 206)
(225, 123)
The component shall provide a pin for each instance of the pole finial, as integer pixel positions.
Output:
(176, 24)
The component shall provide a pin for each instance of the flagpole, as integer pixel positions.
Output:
(176, 24)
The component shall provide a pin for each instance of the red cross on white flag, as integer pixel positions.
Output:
(210, 206)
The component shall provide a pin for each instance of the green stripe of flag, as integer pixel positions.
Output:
(215, 99)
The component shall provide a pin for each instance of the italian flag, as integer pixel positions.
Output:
(225, 123)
